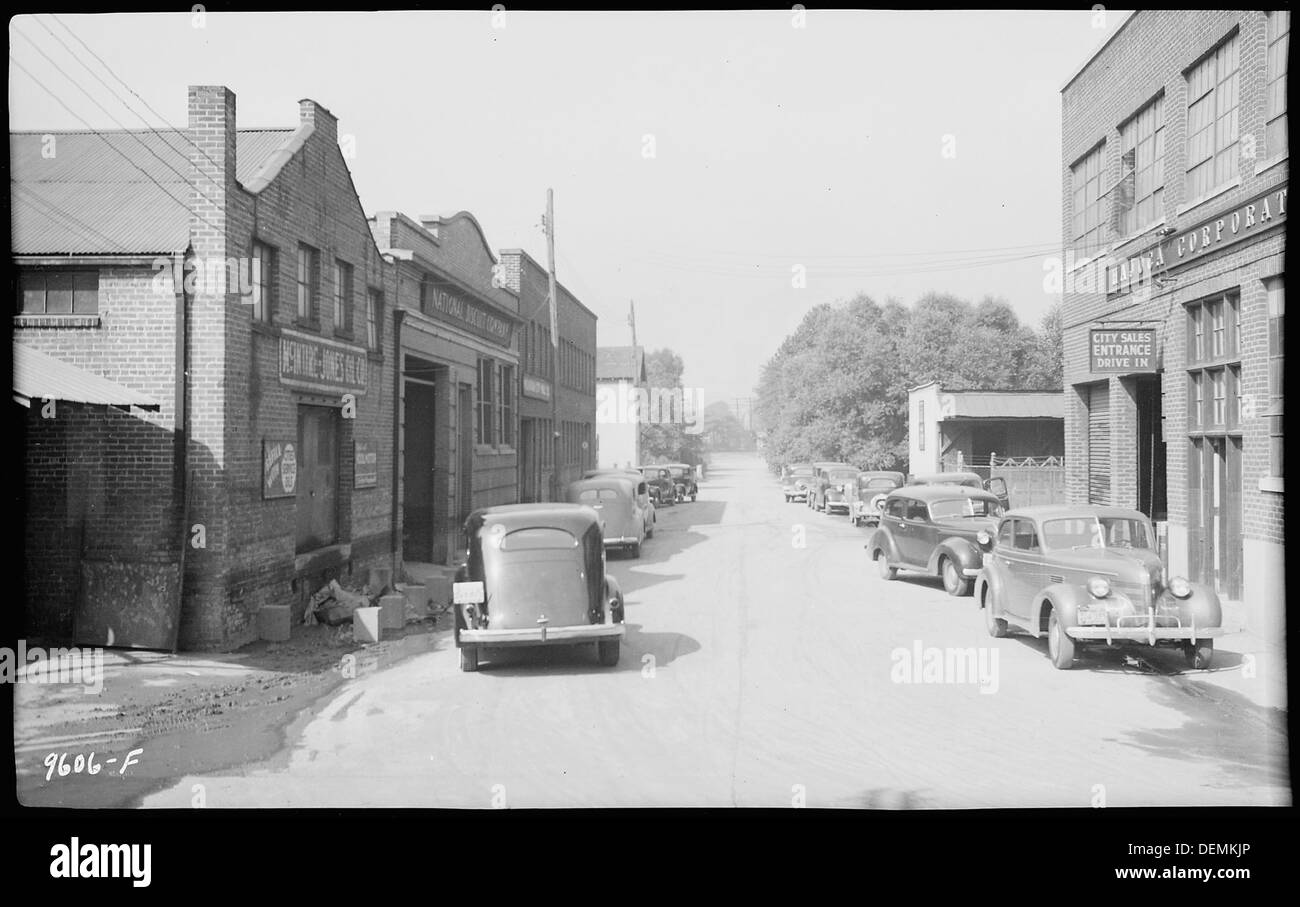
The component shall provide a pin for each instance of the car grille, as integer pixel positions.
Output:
(1138, 593)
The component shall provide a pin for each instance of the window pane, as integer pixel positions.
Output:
(58, 293)
(85, 292)
(33, 293)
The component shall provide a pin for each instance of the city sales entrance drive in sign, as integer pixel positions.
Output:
(1122, 352)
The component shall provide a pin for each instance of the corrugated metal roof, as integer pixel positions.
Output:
(1003, 405)
(615, 363)
(90, 196)
(38, 376)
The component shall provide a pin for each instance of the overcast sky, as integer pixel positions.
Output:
(697, 158)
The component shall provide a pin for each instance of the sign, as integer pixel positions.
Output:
(279, 468)
(1187, 247)
(536, 387)
(316, 364)
(1123, 352)
(475, 317)
(366, 464)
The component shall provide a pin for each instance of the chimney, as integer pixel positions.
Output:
(325, 124)
(212, 168)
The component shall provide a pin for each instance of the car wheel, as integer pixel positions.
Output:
(996, 626)
(787, 499)
(607, 649)
(953, 582)
(882, 564)
(1059, 645)
(469, 658)
(1199, 655)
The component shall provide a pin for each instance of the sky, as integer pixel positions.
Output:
(726, 171)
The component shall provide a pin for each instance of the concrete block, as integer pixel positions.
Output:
(392, 612)
(273, 623)
(365, 624)
(417, 599)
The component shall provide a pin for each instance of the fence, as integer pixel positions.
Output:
(1031, 480)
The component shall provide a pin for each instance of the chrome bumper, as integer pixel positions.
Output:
(621, 540)
(528, 636)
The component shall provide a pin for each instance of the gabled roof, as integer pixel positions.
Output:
(123, 192)
(620, 363)
(38, 376)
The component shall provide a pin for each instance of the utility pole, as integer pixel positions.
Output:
(555, 346)
(631, 322)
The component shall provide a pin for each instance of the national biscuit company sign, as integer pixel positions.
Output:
(313, 363)
(472, 316)
(1122, 352)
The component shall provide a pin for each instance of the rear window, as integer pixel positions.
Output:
(881, 484)
(592, 496)
(957, 508)
(538, 538)
(843, 476)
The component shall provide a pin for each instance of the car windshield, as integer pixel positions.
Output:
(957, 508)
(1097, 532)
(676, 471)
(592, 496)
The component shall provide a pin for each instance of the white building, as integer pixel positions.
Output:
(620, 393)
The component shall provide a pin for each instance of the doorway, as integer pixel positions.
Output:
(317, 481)
(419, 422)
(1214, 486)
(1152, 498)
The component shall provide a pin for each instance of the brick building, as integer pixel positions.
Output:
(1174, 178)
(576, 386)
(229, 276)
(456, 434)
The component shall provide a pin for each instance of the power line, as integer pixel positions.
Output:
(52, 210)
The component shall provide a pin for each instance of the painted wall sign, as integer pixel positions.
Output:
(473, 316)
(537, 388)
(1125, 352)
(279, 468)
(1187, 247)
(317, 364)
(366, 471)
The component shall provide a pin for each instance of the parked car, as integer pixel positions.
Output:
(618, 500)
(795, 479)
(535, 575)
(683, 480)
(997, 484)
(830, 492)
(933, 529)
(1085, 576)
(662, 488)
(867, 495)
(820, 469)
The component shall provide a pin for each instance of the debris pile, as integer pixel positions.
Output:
(333, 605)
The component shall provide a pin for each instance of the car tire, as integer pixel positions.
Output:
(693, 497)
(954, 583)
(882, 565)
(1060, 647)
(1199, 655)
(787, 499)
(469, 658)
(996, 626)
(607, 651)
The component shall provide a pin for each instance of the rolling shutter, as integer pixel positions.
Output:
(1099, 443)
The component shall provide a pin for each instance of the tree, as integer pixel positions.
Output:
(670, 429)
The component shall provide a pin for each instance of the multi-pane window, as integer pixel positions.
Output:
(374, 313)
(485, 399)
(308, 282)
(1276, 302)
(342, 298)
(58, 292)
(263, 280)
(1213, 93)
(1279, 41)
(1213, 363)
(1141, 190)
(506, 405)
(1088, 198)
(426, 295)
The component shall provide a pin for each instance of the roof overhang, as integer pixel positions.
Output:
(38, 376)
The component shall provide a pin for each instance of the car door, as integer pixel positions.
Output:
(1026, 576)
(924, 535)
(892, 521)
(998, 488)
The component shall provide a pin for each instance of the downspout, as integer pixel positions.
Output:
(399, 315)
(180, 452)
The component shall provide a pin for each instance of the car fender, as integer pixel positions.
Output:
(613, 591)
(1065, 598)
(967, 556)
(883, 540)
(1202, 605)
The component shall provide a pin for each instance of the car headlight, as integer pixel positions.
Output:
(1099, 587)
(983, 537)
(1179, 587)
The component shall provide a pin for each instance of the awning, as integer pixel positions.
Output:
(38, 376)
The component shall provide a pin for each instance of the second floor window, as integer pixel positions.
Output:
(342, 298)
(1085, 184)
(308, 280)
(374, 312)
(1139, 197)
(263, 279)
(1279, 41)
(1212, 99)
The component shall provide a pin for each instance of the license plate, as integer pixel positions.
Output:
(467, 593)
(1092, 617)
